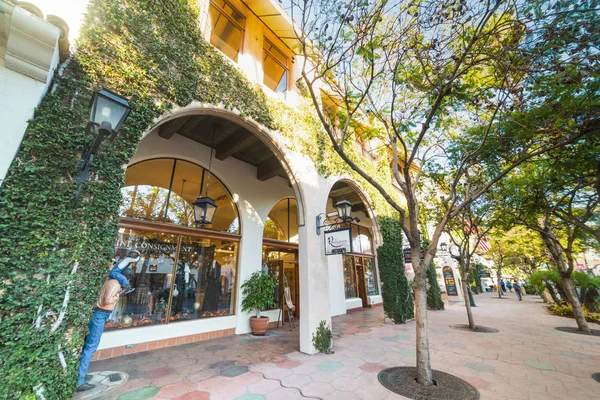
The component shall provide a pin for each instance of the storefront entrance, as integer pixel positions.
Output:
(359, 278)
(282, 264)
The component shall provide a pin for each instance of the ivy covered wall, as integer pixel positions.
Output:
(397, 299)
(53, 254)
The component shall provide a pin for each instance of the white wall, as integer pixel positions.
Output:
(31, 49)
(337, 295)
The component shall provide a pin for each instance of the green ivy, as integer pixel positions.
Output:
(154, 53)
(397, 299)
(434, 294)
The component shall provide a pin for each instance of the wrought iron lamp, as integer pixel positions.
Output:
(443, 246)
(343, 213)
(108, 111)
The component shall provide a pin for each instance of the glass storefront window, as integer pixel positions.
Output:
(146, 191)
(199, 283)
(361, 240)
(370, 276)
(282, 222)
(204, 279)
(151, 278)
(227, 28)
(163, 190)
(349, 277)
(281, 265)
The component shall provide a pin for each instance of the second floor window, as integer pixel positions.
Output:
(227, 28)
(275, 68)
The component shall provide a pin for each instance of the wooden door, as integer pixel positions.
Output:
(360, 283)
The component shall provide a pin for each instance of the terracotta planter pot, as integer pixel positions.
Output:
(259, 325)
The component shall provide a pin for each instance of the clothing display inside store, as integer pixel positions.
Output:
(198, 284)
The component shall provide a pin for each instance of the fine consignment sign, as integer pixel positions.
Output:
(338, 241)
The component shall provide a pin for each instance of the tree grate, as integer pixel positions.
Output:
(403, 381)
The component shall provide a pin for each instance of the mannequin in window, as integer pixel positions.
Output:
(182, 278)
(212, 277)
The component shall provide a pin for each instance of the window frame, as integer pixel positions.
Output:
(285, 66)
(182, 228)
(222, 12)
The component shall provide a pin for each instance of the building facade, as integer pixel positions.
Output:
(271, 201)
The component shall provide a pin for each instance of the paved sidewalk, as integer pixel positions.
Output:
(527, 359)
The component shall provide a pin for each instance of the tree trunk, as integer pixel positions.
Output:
(498, 274)
(561, 292)
(556, 251)
(467, 301)
(424, 373)
(550, 290)
(575, 304)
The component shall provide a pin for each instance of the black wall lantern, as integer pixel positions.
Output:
(108, 111)
(443, 247)
(343, 210)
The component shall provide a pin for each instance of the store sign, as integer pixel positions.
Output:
(338, 241)
(155, 246)
(449, 281)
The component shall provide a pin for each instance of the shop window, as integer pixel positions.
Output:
(275, 68)
(350, 288)
(146, 190)
(151, 278)
(163, 190)
(370, 276)
(282, 222)
(205, 278)
(282, 267)
(361, 240)
(200, 283)
(227, 28)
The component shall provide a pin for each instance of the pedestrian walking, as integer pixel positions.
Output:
(503, 286)
(508, 285)
(523, 292)
(517, 290)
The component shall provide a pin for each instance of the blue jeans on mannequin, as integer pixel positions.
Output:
(92, 341)
(116, 273)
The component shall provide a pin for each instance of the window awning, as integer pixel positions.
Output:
(275, 18)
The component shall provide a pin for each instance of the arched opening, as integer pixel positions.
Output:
(190, 272)
(354, 277)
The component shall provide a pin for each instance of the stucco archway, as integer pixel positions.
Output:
(273, 140)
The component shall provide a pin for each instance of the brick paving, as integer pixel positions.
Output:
(527, 359)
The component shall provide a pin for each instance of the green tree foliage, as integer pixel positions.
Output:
(435, 78)
(397, 299)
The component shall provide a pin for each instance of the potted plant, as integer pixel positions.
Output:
(258, 292)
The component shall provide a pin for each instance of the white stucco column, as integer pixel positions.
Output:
(314, 277)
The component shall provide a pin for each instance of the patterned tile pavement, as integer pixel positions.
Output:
(527, 359)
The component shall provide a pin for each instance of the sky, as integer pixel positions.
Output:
(70, 10)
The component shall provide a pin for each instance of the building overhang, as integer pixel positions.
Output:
(276, 19)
